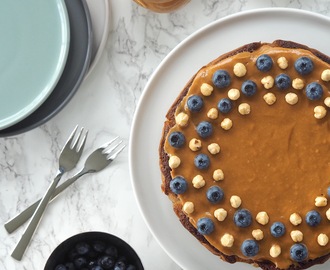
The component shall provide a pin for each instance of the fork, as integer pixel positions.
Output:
(69, 157)
(96, 161)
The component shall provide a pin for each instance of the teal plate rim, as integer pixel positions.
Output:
(32, 60)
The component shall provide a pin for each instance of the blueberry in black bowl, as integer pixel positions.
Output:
(94, 251)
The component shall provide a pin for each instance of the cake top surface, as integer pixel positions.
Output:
(249, 153)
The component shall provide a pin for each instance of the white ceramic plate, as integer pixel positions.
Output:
(162, 89)
(100, 16)
(34, 45)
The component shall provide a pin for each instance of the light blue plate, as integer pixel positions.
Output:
(35, 37)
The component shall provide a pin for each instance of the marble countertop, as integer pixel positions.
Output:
(105, 104)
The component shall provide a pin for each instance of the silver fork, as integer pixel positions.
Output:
(95, 162)
(68, 159)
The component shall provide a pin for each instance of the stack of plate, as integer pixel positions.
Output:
(47, 49)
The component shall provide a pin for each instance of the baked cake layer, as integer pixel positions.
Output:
(245, 155)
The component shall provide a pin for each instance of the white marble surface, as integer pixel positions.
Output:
(105, 104)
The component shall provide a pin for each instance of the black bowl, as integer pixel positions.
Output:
(62, 253)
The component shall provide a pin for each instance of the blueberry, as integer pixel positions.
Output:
(92, 254)
(243, 218)
(221, 78)
(264, 62)
(82, 248)
(249, 88)
(202, 161)
(304, 65)
(106, 262)
(111, 251)
(204, 129)
(176, 139)
(96, 267)
(205, 226)
(122, 259)
(195, 103)
(282, 81)
(70, 266)
(178, 185)
(120, 266)
(60, 267)
(225, 105)
(313, 218)
(277, 229)
(314, 91)
(328, 191)
(214, 194)
(92, 264)
(250, 248)
(73, 254)
(298, 252)
(80, 262)
(131, 267)
(98, 246)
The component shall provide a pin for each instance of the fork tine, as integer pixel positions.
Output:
(109, 150)
(81, 146)
(114, 155)
(104, 146)
(70, 139)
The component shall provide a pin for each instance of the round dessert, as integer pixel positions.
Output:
(244, 155)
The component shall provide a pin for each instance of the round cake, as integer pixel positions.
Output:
(245, 155)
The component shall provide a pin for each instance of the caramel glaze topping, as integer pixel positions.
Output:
(276, 159)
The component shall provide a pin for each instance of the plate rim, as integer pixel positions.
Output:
(103, 41)
(47, 89)
(29, 123)
(147, 89)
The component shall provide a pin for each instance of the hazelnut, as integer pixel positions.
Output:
(282, 62)
(198, 181)
(239, 70)
(227, 240)
(213, 113)
(220, 214)
(322, 239)
(235, 201)
(325, 76)
(174, 162)
(218, 175)
(296, 236)
(226, 124)
(327, 213)
(268, 82)
(188, 207)
(291, 98)
(182, 119)
(327, 102)
(234, 94)
(258, 234)
(213, 148)
(320, 112)
(206, 89)
(195, 144)
(262, 218)
(298, 84)
(270, 98)
(295, 219)
(244, 109)
(275, 251)
(321, 201)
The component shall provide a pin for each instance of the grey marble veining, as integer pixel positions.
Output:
(105, 103)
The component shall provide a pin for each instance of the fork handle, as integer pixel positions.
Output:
(31, 227)
(14, 223)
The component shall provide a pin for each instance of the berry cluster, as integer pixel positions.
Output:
(95, 256)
